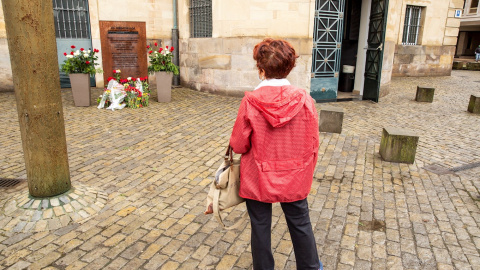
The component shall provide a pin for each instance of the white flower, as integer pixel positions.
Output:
(77, 53)
(118, 71)
(69, 56)
(89, 51)
(129, 78)
(85, 55)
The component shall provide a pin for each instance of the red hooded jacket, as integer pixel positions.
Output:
(276, 132)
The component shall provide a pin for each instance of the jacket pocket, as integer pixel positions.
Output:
(282, 165)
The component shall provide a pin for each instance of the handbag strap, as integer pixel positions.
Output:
(229, 155)
(216, 212)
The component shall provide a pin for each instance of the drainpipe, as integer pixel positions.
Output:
(175, 43)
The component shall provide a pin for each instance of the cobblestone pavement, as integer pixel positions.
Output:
(149, 170)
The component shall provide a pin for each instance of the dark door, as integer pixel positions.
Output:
(376, 39)
(327, 43)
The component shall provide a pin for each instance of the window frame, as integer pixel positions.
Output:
(472, 10)
(200, 18)
(413, 25)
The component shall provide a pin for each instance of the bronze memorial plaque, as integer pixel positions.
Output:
(124, 47)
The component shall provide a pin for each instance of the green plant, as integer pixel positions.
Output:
(161, 60)
(81, 61)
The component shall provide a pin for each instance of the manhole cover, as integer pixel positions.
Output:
(6, 182)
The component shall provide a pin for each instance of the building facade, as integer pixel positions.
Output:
(469, 36)
(374, 39)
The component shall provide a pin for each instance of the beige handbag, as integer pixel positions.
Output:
(224, 189)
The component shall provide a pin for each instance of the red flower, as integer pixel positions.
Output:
(141, 106)
(65, 53)
(87, 62)
(96, 50)
(166, 47)
(148, 46)
(150, 52)
(171, 49)
(114, 71)
(81, 49)
(110, 78)
(156, 44)
(73, 47)
(160, 50)
(71, 53)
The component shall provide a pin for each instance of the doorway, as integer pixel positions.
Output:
(347, 49)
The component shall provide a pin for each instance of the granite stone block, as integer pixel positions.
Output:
(398, 145)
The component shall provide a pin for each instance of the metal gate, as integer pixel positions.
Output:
(72, 27)
(327, 43)
(376, 39)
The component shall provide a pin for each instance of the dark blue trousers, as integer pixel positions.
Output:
(299, 226)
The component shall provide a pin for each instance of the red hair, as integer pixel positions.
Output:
(276, 57)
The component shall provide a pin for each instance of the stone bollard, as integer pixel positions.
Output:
(424, 94)
(474, 104)
(331, 119)
(398, 145)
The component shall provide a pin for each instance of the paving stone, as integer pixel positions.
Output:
(118, 263)
(155, 262)
(430, 221)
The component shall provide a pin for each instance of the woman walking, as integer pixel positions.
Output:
(276, 131)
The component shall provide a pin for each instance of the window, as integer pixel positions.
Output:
(200, 18)
(71, 19)
(473, 7)
(412, 26)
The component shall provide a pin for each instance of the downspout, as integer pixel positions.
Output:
(175, 43)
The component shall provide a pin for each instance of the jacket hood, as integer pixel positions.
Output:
(278, 104)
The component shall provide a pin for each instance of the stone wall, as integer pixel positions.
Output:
(417, 61)
(226, 65)
(6, 82)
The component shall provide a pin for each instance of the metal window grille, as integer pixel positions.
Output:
(411, 28)
(200, 18)
(71, 19)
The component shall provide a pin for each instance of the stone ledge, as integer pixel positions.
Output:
(463, 65)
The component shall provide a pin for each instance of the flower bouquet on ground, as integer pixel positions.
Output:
(120, 93)
(80, 61)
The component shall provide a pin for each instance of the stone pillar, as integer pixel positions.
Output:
(331, 119)
(33, 54)
(474, 104)
(425, 94)
(398, 145)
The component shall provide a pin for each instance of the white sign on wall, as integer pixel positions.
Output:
(458, 13)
